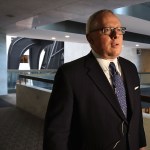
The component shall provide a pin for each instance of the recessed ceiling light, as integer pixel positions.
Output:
(53, 38)
(67, 36)
(137, 45)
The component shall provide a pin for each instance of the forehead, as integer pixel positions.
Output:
(108, 19)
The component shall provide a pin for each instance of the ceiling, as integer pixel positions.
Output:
(23, 18)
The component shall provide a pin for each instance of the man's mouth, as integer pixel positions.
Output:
(114, 44)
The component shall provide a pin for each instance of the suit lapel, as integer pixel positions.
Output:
(98, 77)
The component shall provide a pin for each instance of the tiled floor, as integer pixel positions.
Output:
(19, 130)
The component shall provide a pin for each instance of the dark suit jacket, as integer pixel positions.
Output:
(84, 114)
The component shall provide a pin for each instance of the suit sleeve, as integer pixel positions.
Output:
(142, 138)
(59, 114)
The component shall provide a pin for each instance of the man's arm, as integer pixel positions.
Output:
(59, 115)
(142, 137)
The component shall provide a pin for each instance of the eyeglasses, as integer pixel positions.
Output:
(110, 30)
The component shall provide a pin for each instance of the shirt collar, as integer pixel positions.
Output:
(104, 63)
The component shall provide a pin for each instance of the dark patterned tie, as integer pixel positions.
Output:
(118, 85)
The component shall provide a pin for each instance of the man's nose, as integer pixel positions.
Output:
(114, 34)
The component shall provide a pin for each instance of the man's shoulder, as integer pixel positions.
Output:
(127, 65)
(126, 61)
(73, 69)
(76, 63)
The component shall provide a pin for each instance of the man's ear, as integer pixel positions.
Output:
(89, 39)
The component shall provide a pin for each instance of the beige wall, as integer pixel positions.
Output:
(144, 65)
(131, 54)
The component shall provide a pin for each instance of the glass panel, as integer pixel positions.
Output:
(13, 78)
(145, 83)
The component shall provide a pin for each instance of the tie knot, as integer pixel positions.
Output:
(112, 68)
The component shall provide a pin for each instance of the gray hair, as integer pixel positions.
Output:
(92, 22)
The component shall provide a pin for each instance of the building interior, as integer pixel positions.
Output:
(31, 33)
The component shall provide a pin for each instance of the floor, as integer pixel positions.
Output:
(19, 130)
(146, 119)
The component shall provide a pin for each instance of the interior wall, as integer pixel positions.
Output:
(131, 54)
(144, 60)
(3, 65)
(73, 51)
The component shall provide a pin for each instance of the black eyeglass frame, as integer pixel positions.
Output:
(122, 29)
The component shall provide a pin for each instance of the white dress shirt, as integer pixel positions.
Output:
(104, 63)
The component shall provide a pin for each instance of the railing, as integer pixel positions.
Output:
(36, 81)
(41, 78)
(44, 78)
(34, 78)
(145, 91)
(145, 83)
(144, 78)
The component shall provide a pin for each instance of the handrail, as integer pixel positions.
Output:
(145, 98)
(35, 78)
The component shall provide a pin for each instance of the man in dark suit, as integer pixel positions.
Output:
(84, 112)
